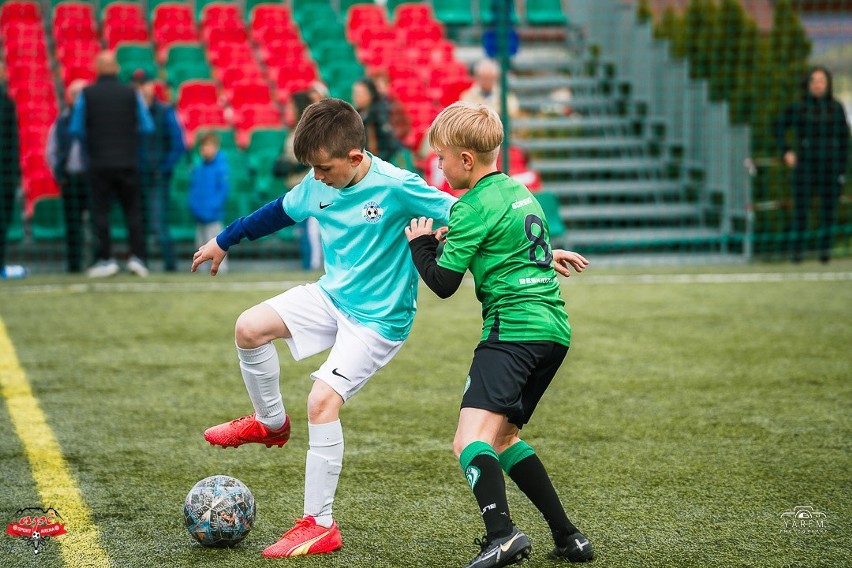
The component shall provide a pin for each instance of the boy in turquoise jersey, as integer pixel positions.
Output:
(497, 230)
(362, 307)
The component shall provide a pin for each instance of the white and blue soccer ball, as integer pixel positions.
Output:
(219, 511)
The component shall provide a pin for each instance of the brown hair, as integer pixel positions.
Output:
(209, 137)
(469, 126)
(329, 125)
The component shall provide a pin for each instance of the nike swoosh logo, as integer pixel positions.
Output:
(344, 377)
(507, 545)
(324, 205)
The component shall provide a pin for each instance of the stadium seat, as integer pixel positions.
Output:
(545, 12)
(411, 14)
(453, 12)
(369, 16)
(192, 93)
(486, 14)
(154, 6)
(550, 205)
(19, 13)
(48, 220)
(185, 54)
(203, 5)
(131, 57)
(71, 13)
(250, 93)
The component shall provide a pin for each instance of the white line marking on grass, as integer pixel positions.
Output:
(282, 285)
(56, 488)
(717, 278)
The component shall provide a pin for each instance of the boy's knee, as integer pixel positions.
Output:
(323, 404)
(248, 331)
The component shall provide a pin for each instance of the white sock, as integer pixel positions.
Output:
(261, 371)
(322, 470)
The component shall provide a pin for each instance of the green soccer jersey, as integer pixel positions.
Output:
(498, 232)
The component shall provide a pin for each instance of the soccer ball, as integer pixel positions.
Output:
(219, 511)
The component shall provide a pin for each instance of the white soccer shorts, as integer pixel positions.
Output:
(315, 324)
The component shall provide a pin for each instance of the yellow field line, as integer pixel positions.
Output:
(81, 546)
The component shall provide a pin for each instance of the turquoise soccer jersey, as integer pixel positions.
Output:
(369, 274)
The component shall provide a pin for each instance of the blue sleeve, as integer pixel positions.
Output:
(265, 221)
(427, 201)
(78, 119)
(176, 145)
(146, 123)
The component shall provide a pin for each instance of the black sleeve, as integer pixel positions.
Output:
(443, 281)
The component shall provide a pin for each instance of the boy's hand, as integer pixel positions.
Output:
(423, 226)
(563, 259)
(209, 251)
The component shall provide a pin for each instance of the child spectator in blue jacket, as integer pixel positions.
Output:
(208, 189)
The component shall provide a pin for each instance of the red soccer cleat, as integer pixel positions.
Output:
(307, 537)
(247, 430)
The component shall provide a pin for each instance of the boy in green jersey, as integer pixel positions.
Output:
(497, 230)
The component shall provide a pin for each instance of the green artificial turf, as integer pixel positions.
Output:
(687, 418)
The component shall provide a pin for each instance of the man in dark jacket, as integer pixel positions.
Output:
(68, 162)
(10, 174)
(158, 154)
(818, 157)
(108, 118)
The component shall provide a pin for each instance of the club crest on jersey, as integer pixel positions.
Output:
(372, 212)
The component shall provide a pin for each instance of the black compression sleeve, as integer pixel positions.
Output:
(443, 281)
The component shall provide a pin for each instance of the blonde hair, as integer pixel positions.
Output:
(471, 126)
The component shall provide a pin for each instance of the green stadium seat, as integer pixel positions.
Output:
(15, 230)
(186, 53)
(131, 57)
(550, 205)
(545, 12)
(266, 142)
(346, 4)
(453, 12)
(486, 14)
(177, 74)
(227, 138)
(48, 220)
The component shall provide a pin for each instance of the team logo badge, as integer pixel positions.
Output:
(472, 474)
(372, 212)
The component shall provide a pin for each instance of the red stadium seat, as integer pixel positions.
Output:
(18, 13)
(217, 36)
(114, 36)
(192, 93)
(364, 18)
(69, 13)
(412, 15)
(172, 14)
(266, 15)
(424, 34)
(250, 94)
(123, 14)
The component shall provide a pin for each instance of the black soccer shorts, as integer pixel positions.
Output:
(510, 377)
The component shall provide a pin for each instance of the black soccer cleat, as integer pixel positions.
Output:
(511, 549)
(579, 549)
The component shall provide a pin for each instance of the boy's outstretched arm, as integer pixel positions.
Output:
(424, 244)
(209, 251)
(563, 260)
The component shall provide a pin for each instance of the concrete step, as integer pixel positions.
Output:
(553, 82)
(630, 212)
(615, 188)
(642, 166)
(584, 105)
(640, 237)
(574, 124)
(621, 143)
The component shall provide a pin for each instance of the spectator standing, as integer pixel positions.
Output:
(68, 162)
(208, 190)
(486, 89)
(10, 174)
(374, 112)
(159, 151)
(818, 157)
(108, 118)
(289, 168)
